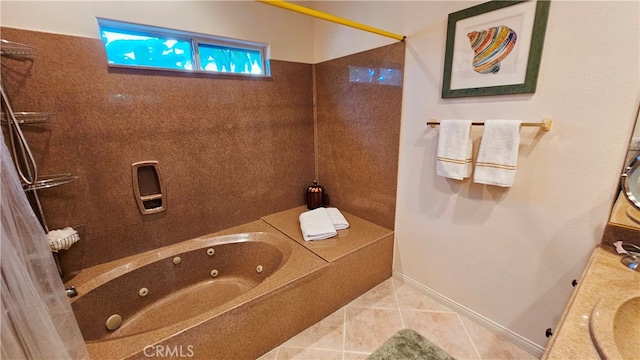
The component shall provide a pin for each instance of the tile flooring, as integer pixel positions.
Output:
(357, 329)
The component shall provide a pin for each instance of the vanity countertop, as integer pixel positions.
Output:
(624, 214)
(604, 275)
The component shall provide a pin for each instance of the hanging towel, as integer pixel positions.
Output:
(316, 224)
(455, 149)
(498, 154)
(339, 222)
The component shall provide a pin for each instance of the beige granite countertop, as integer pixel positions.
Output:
(625, 214)
(604, 276)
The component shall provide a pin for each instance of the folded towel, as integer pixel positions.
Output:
(316, 224)
(498, 154)
(339, 222)
(455, 149)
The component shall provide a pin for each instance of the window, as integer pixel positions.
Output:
(226, 59)
(134, 45)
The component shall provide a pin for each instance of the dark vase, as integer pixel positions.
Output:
(316, 196)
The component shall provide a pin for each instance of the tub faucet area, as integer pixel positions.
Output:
(71, 291)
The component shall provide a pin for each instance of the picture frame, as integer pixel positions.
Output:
(494, 48)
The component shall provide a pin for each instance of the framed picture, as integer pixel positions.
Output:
(494, 48)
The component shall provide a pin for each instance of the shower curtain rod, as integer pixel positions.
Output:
(338, 20)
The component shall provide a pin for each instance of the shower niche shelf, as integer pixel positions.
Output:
(148, 187)
(23, 158)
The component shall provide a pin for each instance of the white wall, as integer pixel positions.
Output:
(288, 33)
(508, 255)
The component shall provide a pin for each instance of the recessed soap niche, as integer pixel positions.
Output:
(148, 187)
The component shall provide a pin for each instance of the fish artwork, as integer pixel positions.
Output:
(490, 47)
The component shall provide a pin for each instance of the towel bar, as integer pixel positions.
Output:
(545, 124)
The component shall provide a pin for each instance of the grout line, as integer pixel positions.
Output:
(399, 308)
(393, 284)
(316, 171)
(309, 347)
(344, 331)
(374, 307)
(469, 336)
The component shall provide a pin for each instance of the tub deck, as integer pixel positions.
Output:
(360, 234)
(319, 278)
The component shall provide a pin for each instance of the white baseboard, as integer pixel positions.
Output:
(526, 344)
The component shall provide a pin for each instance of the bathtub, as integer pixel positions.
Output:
(170, 292)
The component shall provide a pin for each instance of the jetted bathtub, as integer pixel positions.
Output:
(132, 306)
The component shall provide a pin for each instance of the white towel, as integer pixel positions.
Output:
(316, 224)
(339, 222)
(455, 149)
(498, 154)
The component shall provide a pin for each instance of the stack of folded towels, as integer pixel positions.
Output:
(321, 223)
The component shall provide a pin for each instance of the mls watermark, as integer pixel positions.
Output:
(165, 351)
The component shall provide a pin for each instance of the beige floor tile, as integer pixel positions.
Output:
(293, 353)
(443, 329)
(368, 328)
(271, 355)
(494, 346)
(411, 298)
(381, 296)
(326, 334)
(367, 322)
(355, 356)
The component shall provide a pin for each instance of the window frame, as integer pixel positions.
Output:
(195, 39)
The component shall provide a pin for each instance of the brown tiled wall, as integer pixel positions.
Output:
(230, 150)
(358, 135)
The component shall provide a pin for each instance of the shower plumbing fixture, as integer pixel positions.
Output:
(71, 292)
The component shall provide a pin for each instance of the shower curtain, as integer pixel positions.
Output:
(37, 321)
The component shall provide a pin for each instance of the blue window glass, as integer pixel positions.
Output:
(139, 49)
(230, 60)
(137, 45)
